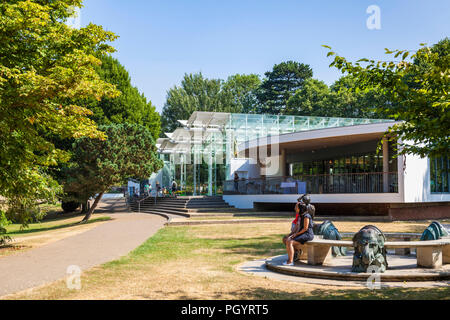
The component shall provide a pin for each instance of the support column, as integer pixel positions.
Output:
(184, 174)
(210, 174)
(429, 257)
(215, 174)
(283, 162)
(385, 165)
(195, 178)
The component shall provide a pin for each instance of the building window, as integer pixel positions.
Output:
(440, 175)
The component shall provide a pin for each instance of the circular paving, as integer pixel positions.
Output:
(402, 272)
(401, 268)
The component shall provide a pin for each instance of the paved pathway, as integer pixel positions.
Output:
(105, 242)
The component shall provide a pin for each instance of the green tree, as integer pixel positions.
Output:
(348, 101)
(417, 89)
(131, 106)
(196, 93)
(241, 92)
(342, 99)
(128, 152)
(43, 64)
(280, 84)
(311, 100)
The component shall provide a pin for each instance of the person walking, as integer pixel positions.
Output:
(158, 188)
(174, 187)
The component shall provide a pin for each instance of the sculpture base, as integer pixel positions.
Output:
(401, 268)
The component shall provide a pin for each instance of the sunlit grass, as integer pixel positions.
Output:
(60, 223)
(199, 262)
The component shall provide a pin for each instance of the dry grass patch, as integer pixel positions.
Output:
(199, 262)
(39, 234)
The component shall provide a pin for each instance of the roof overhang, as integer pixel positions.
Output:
(208, 119)
(320, 138)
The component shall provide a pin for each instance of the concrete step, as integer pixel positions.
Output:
(165, 214)
(185, 210)
(199, 197)
(209, 209)
(190, 205)
(156, 210)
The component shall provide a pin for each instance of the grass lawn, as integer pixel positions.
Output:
(199, 262)
(221, 218)
(53, 224)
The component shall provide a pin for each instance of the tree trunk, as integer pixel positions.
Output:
(85, 207)
(91, 209)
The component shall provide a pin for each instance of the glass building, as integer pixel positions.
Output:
(199, 154)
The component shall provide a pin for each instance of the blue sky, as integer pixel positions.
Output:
(160, 41)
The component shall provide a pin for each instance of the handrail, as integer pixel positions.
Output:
(363, 182)
(139, 202)
(313, 175)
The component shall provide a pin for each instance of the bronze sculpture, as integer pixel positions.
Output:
(329, 231)
(434, 231)
(369, 250)
(306, 199)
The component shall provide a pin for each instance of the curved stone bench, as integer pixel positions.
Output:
(430, 254)
(391, 236)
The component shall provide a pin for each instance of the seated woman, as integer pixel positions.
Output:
(302, 234)
(294, 225)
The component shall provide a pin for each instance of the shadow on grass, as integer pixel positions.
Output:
(436, 293)
(171, 244)
(61, 226)
(258, 246)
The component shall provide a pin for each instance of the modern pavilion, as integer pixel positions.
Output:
(343, 161)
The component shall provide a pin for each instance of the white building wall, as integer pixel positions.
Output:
(135, 185)
(247, 201)
(273, 166)
(243, 165)
(417, 181)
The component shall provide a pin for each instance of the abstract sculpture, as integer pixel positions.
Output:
(329, 231)
(369, 250)
(434, 231)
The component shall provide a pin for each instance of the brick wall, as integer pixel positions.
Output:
(420, 211)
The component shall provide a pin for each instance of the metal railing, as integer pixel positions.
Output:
(136, 202)
(373, 182)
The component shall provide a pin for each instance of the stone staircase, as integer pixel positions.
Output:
(185, 206)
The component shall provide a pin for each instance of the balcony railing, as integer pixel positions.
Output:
(374, 182)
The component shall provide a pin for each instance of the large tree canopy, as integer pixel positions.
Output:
(313, 99)
(97, 165)
(44, 64)
(348, 101)
(198, 93)
(341, 99)
(417, 91)
(131, 106)
(280, 84)
(241, 91)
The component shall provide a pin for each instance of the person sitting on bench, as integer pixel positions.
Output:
(302, 233)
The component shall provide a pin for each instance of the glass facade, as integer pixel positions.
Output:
(440, 175)
(364, 163)
(348, 173)
(201, 149)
